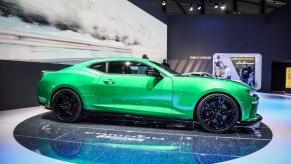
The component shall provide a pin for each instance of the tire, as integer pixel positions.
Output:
(67, 105)
(217, 113)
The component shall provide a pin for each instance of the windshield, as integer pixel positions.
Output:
(167, 69)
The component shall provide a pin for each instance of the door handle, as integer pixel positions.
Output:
(108, 82)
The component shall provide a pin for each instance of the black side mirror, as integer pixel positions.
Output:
(153, 72)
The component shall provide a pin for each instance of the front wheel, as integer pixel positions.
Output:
(217, 113)
(66, 105)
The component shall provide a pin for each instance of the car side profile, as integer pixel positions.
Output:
(140, 87)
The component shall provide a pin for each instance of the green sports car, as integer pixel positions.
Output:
(143, 88)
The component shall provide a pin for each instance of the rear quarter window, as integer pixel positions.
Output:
(101, 67)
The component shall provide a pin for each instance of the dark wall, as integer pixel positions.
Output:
(151, 8)
(205, 35)
(278, 82)
(19, 81)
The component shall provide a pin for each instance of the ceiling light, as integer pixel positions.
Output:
(216, 5)
(164, 3)
(127, 63)
(199, 7)
(191, 8)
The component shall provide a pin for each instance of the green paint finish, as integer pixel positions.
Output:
(172, 97)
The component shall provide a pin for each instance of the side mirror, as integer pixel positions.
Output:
(153, 72)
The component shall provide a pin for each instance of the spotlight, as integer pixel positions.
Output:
(216, 5)
(222, 6)
(164, 3)
(199, 7)
(191, 8)
(276, 2)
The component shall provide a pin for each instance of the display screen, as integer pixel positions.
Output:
(245, 68)
(235, 66)
(288, 77)
(66, 31)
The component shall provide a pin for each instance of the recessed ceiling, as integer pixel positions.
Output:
(177, 7)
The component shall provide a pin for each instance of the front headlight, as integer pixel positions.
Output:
(251, 92)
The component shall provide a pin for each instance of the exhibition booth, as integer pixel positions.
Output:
(151, 81)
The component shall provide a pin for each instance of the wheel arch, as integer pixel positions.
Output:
(74, 89)
(215, 92)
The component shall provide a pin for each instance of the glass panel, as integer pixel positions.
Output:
(99, 66)
(127, 67)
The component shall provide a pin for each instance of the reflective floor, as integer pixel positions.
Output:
(119, 140)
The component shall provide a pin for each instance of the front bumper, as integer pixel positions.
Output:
(253, 117)
(256, 120)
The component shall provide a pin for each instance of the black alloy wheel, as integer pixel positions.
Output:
(66, 105)
(217, 113)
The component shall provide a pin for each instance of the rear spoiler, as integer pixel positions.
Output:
(45, 71)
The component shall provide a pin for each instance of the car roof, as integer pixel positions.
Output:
(114, 59)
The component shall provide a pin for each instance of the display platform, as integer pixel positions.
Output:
(119, 140)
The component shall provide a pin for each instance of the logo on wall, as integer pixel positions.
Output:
(201, 57)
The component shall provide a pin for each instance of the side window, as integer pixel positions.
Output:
(101, 67)
(127, 67)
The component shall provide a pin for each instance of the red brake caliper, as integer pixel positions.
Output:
(207, 114)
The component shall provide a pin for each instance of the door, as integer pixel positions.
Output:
(126, 89)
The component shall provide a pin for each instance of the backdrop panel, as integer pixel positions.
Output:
(65, 30)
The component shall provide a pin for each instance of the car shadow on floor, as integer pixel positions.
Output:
(123, 123)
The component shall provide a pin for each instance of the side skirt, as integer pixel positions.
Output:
(140, 118)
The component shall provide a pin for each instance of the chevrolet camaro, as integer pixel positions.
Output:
(143, 88)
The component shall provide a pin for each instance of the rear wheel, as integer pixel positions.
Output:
(217, 113)
(66, 105)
